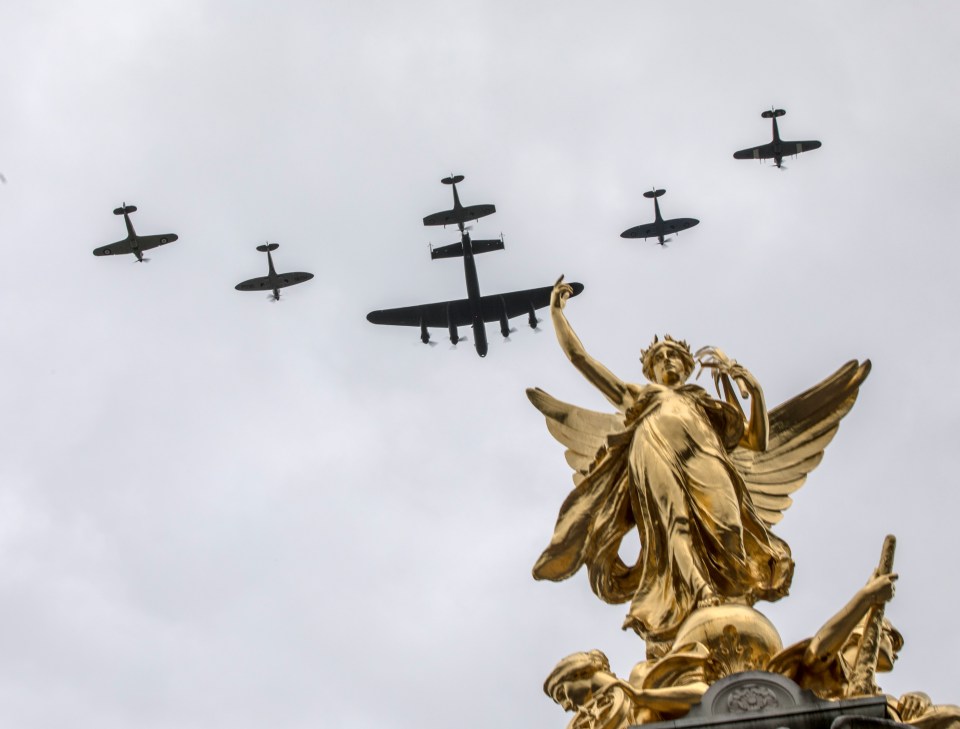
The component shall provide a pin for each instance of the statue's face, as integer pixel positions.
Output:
(886, 655)
(669, 368)
(574, 692)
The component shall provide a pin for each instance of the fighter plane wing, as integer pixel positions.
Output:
(153, 241)
(768, 151)
(764, 151)
(463, 215)
(651, 230)
(263, 283)
(798, 147)
(114, 249)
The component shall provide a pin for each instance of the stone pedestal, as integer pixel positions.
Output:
(761, 700)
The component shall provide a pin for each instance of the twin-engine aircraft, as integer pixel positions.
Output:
(777, 149)
(273, 281)
(133, 243)
(659, 227)
(475, 310)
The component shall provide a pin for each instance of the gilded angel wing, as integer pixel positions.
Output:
(583, 432)
(799, 431)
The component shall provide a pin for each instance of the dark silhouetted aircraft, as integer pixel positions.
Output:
(475, 310)
(659, 227)
(777, 149)
(133, 243)
(273, 281)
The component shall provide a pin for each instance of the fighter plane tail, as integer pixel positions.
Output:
(125, 209)
(268, 247)
(452, 180)
(773, 113)
(654, 193)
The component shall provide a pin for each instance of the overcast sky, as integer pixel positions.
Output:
(217, 511)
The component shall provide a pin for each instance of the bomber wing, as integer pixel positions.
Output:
(153, 241)
(441, 314)
(517, 303)
(458, 313)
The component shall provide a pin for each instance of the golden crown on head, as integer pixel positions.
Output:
(680, 345)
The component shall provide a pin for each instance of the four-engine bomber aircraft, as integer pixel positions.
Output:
(777, 149)
(133, 243)
(475, 310)
(659, 227)
(273, 281)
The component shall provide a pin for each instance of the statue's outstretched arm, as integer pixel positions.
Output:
(612, 387)
(830, 639)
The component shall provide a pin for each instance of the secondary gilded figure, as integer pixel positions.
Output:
(701, 479)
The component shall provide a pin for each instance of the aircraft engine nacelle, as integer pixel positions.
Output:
(454, 334)
(532, 318)
(424, 334)
(504, 321)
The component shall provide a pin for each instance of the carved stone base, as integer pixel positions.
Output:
(761, 700)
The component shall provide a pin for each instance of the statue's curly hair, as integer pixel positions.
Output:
(573, 667)
(680, 345)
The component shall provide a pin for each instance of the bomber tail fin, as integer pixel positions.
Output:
(454, 250)
(485, 246)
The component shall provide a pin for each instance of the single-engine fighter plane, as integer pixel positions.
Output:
(659, 227)
(777, 149)
(475, 310)
(133, 243)
(273, 281)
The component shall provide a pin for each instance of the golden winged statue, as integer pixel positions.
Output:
(701, 480)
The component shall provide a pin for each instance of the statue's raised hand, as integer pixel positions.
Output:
(561, 292)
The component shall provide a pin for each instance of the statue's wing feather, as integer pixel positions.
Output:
(583, 432)
(800, 430)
